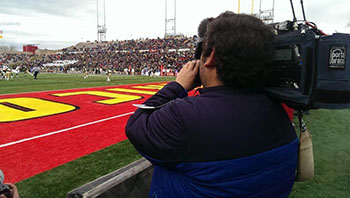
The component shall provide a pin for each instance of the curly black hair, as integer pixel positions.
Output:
(202, 28)
(243, 50)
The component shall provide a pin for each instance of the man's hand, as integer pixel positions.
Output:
(14, 191)
(187, 75)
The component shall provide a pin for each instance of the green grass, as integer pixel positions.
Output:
(59, 181)
(330, 130)
(69, 81)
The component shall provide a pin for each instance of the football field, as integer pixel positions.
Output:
(42, 130)
(62, 131)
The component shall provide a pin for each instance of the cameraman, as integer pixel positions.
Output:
(229, 141)
(13, 190)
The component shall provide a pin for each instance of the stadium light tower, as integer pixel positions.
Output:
(101, 29)
(170, 23)
(267, 16)
(239, 7)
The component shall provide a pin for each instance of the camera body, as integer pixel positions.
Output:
(311, 70)
(5, 190)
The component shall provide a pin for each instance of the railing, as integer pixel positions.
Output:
(131, 181)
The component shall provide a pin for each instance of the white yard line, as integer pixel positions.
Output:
(63, 130)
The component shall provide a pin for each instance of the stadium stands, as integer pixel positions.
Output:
(167, 54)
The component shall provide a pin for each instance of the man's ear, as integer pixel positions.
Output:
(209, 62)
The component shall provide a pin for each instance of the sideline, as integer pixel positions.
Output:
(63, 130)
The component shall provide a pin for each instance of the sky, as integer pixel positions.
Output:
(55, 24)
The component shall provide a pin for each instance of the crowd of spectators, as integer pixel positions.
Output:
(165, 55)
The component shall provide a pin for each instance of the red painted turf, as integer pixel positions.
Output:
(26, 159)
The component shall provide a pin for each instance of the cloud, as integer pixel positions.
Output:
(52, 45)
(10, 24)
(347, 25)
(20, 33)
(50, 7)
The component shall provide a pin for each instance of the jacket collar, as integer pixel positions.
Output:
(215, 89)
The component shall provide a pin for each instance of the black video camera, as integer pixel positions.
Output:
(5, 190)
(311, 69)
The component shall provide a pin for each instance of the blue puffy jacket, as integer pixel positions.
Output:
(221, 143)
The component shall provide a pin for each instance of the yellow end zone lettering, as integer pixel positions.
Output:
(150, 86)
(15, 109)
(116, 98)
(133, 91)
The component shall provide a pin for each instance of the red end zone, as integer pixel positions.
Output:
(42, 130)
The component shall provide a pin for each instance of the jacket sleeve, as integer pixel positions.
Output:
(158, 133)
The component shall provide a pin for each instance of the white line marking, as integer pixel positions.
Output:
(63, 130)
